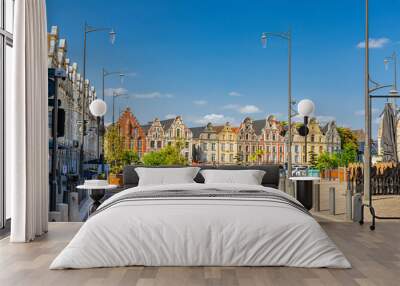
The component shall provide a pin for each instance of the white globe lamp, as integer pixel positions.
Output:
(98, 108)
(305, 107)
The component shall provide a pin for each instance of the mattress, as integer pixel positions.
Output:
(201, 225)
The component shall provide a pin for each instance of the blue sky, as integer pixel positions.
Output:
(204, 60)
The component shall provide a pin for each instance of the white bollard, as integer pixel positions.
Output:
(357, 207)
(332, 201)
(349, 204)
(54, 216)
(63, 209)
(74, 207)
(316, 196)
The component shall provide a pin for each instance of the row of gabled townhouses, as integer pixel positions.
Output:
(70, 97)
(254, 141)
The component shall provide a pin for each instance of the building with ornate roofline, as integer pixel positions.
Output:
(248, 141)
(134, 137)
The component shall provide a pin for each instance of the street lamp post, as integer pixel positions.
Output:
(305, 108)
(287, 36)
(368, 96)
(88, 29)
(115, 95)
(106, 73)
(367, 109)
(393, 58)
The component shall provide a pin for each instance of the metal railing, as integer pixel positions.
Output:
(385, 179)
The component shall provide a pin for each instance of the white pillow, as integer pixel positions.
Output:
(249, 177)
(166, 176)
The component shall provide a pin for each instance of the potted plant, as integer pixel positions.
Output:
(101, 176)
(130, 157)
(113, 154)
(115, 177)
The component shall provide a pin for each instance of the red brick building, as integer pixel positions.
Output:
(132, 133)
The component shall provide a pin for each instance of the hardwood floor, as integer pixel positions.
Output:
(375, 257)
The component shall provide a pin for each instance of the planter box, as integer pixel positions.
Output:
(115, 179)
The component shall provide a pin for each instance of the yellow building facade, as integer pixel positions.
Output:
(227, 144)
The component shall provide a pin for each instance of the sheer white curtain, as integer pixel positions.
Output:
(26, 124)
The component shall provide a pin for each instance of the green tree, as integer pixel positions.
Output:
(349, 146)
(169, 155)
(154, 158)
(173, 155)
(327, 161)
(347, 137)
(257, 156)
(130, 157)
(113, 149)
(347, 155)
(313, 159)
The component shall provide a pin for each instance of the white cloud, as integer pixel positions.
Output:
(215, 119)
(200, 102)
(152, 95)
(170, 116)
(297, 118)
(249, 109)
(361, 112)
(231, 106)
(246, 109)
(374, 43)
(124, 91)
(234, 93)
(278, 115)
(112, 91)
(321, 118)
(325, 118)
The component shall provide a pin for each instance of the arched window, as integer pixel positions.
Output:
(139, 144)
(178, 133)
(130, 130)
(134, 131)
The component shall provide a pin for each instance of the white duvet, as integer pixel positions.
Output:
(202, 232)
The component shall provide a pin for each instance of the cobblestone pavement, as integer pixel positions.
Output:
(384, 205)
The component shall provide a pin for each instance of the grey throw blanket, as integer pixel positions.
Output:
(205, 194)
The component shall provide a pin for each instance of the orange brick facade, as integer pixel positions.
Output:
(132, 133)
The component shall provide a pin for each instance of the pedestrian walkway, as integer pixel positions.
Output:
(384, 205)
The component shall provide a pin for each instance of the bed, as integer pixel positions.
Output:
(194, 224)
